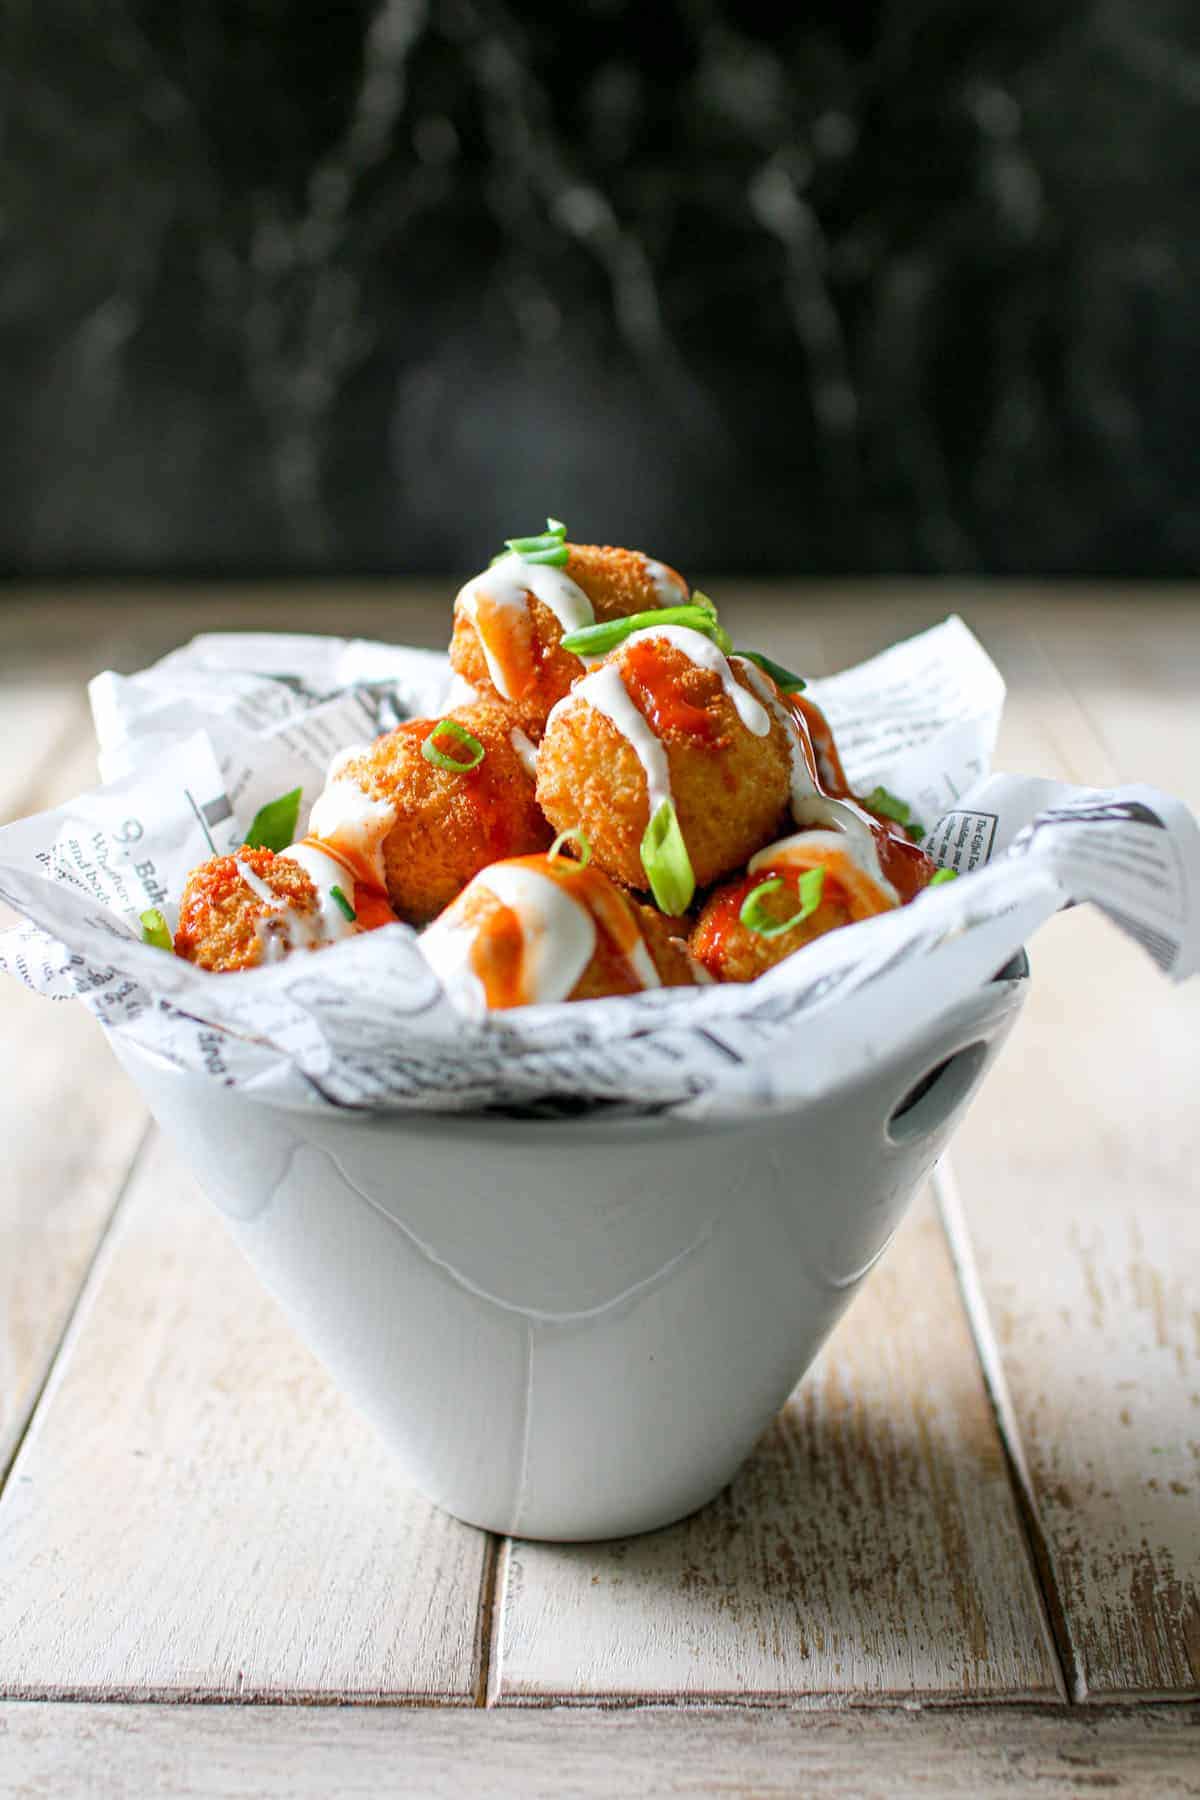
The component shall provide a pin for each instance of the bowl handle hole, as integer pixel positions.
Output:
(930, 1101)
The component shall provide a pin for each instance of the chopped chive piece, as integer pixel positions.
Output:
(274, 826)
(155, 930)
(666, 862)
(880, 801)
(597, 640)
(915, 830)
(440, 759)
(572, 835)
(756, 918)
(547, 547)
(343, 904)
(784, 679)
(942, 876)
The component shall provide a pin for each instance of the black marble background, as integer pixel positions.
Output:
(912, 285)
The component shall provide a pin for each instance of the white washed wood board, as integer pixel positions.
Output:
(869, 1548)
(1078, 1180)
(196, 1512)
(70, 1122)
(362, 1753)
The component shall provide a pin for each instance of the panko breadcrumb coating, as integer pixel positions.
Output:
(729, 786)
(544, 928)
(256, 906)
(446, 824)
(525, 640)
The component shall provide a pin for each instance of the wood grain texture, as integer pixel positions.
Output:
(361, 1753)
(1078, 1177)
(70, 1122)
(196, 1512)
(870, 1547)
(1077, 1171)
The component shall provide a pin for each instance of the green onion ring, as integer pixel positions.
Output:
(343, 904)
(752, 916)
(571, 835)
(440, 759)
(666, 862)
(155, 930)
(784, 679)
(942, 876)
(274, 825)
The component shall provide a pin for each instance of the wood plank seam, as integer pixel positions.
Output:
(979, 1321)
(490, 1593)
(66, 1335)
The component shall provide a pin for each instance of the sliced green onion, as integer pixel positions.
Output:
(440, 759)
(784, 679)
(155, 930)
(344, 905)
(572, 835)
(942, 876)
(757, 919)
(597, 640)
(274, 826)
(880, 801)
(666, 862)
(547, 547)
(914, 830)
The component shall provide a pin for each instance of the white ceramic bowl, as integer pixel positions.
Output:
(577, 1329)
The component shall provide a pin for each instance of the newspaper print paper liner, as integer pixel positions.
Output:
(229, 721)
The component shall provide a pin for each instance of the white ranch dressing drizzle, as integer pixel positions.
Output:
(606, 693)
(346, 816)
(559, 934)
(852, 838)
(803, 786)
(642, 963)
(670, 589)
(285, 927)
(507, 585)
(526, 752)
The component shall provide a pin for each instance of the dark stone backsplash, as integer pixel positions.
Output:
(896, 286)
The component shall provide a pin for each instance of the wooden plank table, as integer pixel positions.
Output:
(965, 1559)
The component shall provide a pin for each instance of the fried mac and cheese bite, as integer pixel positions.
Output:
(793, 891)
(667, 728)
(429, 804)
(544, 928)
(510, 620)
(257, 906)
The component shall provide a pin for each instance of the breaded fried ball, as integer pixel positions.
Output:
(256, 906)
(733, 951)
(506, 640)
(426, 828)
(536, 929)
(666, 714)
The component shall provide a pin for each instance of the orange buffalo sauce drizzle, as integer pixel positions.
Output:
(371, 904)
(654, 691)
(507, 633)
(821, 752)
(499, 957)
